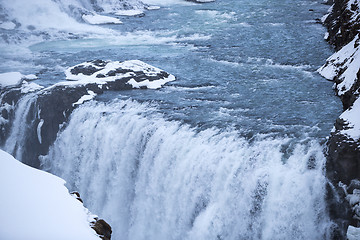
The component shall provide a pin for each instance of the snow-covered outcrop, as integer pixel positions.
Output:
(134, 73)
(343, 67)
(43, 111)
(36, 205)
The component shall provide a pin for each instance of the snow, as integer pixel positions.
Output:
(347, 59)
(353, 233)
(30, 87)
(153, 7)
(131, 12)
(13, 79)
(352, 117)
(148, 84)
(10, 79)
(7, 25)
(132, 66)
(100, 19)
(326, 35)
(36, 205)
(84, 98)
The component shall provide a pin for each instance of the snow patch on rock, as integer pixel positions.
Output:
(352, 119)
(84, 98)
(353, 233)
(13, 79)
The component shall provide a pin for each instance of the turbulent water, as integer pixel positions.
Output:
(233, 149)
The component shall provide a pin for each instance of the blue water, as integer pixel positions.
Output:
(245, 64)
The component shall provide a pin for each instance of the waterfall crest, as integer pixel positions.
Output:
(155, 179)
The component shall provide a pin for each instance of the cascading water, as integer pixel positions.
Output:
(155, 179)
(21, 125)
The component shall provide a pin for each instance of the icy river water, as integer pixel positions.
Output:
(233, 149)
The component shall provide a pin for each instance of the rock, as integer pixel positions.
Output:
(343, 23)
(343, 146)
(103, 229)
(119, 75)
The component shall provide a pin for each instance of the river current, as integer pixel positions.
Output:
(233, 149)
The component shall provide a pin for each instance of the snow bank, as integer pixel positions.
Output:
(344, 64)
(36, 205)
(136, 73)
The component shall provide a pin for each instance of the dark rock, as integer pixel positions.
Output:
(343, 152)
(86, 70)
(343, 161)
(103, 229)
(354, 184)
(340, 26)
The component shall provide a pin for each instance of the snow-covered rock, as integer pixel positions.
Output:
(100, 19)
(343, 155)
(134, 73)
(351, 118)
(12, 79)
(343, 67)
(47, 109)
(36, 205)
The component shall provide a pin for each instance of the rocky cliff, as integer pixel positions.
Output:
(28, 130)
(343, 163)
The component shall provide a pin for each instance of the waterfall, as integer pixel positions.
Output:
(158, 179)
(21, 127)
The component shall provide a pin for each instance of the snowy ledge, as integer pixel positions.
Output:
(36, 205)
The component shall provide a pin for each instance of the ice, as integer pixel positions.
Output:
(131, 12)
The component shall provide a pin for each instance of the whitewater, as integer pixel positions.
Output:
(232, 149)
